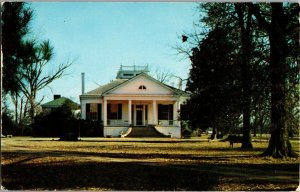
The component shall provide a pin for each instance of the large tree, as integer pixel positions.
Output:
(212, 81)
(244, 18)
(279, 27)
(33, 77)
(268, 48)
(25, 60)
(15, 20)
(236, 20)
(15, 25)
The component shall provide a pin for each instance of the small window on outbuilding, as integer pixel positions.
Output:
(142, 87)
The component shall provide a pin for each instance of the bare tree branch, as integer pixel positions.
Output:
(162, 75)
(32, 80)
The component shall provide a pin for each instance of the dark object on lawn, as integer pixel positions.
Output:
(233, 139)
(69, 137)
(185, 136)
(219, 135)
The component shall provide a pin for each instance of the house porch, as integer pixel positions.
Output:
(119, 115)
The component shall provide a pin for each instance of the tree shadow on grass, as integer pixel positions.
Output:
(132, 156)
(138, 176)
(105, 176)
(130, 175)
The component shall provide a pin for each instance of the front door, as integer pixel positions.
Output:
(139, 115)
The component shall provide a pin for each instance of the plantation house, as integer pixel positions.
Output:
(134, 104)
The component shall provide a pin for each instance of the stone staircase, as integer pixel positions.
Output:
(148, 131)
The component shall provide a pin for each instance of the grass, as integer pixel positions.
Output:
(142, 164)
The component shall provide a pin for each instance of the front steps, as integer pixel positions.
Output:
(149, 131)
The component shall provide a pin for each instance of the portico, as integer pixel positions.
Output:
(139, 112)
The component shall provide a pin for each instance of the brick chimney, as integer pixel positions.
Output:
(56, 97)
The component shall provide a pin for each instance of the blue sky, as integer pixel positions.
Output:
(101, 36)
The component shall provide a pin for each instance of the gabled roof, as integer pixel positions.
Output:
(146, 75)
(100, 91)
(57, 103)
(183, 93)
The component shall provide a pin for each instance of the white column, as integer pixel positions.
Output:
(129, 112)
(175, 111)
(154, 112)
(104, 113)
(176, 108)
(144, 114)
(83, 110)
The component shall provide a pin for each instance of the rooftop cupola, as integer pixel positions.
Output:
(127, 72)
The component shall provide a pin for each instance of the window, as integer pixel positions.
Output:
(165, 112)
(93, 111)
(143, 87)
(114, 111)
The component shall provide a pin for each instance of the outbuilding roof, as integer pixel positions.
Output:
(58, 102)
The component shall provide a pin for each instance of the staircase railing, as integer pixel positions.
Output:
(127, 132)
(117, 122)
(168, 122)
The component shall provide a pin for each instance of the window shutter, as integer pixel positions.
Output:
(171, 112)
(146, 112)
(119, 111)
(108, 111)
(160, 112)
(99, 112)
(87, 111)
(132, 115)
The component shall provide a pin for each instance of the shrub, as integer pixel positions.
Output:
(56, 123)
(62, 123)
(8, 125)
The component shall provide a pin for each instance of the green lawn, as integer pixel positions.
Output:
(142, 164)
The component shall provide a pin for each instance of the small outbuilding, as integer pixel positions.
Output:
(58, 101)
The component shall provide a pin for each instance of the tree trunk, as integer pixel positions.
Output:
(279, 144)
(20, 118)
(254, 130)
(261, 125)
(16, 108)
(32, 108)
(214, 134)
(245, 28)
(246, 144)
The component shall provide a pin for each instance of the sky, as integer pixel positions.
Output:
(101, 36)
